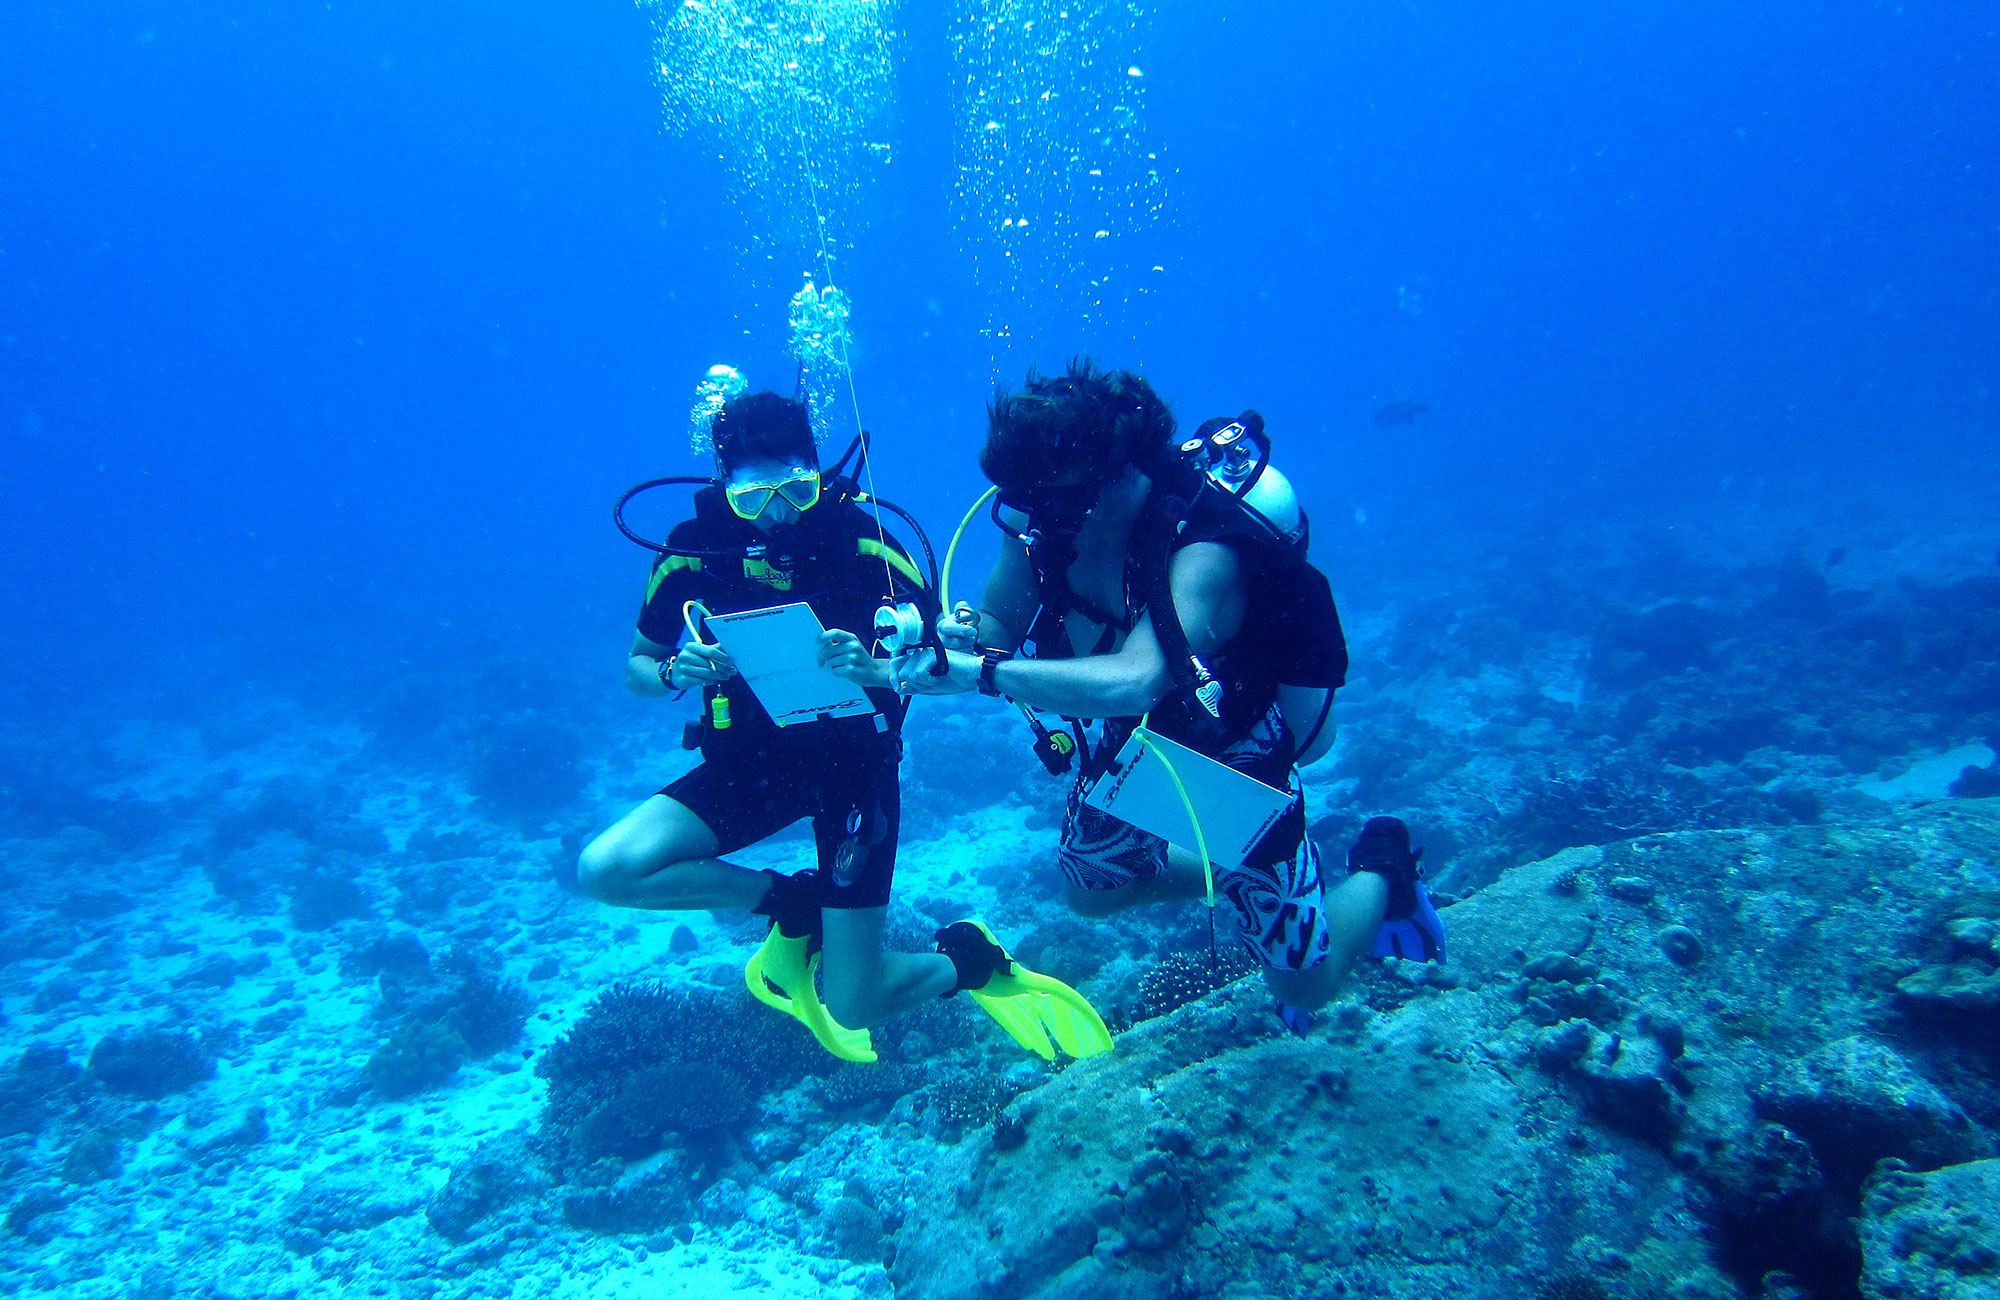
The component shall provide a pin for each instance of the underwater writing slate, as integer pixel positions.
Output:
(1235, 810)
(777, 652)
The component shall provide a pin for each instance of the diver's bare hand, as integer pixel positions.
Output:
(961, 630)
(701, 665)
(912, 675)
(844, 654)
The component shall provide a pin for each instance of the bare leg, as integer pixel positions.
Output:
(1354, 911)
(661, 857)
(863, 984)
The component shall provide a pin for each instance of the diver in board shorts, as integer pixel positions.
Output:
(1151, 583)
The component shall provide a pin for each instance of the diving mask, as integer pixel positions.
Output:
(751, 500)
(1060, 508)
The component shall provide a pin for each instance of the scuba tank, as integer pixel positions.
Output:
(1226, 466)
(1235, 456)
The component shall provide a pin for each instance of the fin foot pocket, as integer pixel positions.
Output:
(1040, 1013)
(1411, 928)
(780, 975)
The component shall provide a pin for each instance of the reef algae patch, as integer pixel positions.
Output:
(1574, 1103)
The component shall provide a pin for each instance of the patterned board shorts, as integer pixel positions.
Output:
(1279, 905)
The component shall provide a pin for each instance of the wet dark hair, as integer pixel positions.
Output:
(1085, 420)
(763, 426)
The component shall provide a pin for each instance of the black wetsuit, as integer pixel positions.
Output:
(755, 777)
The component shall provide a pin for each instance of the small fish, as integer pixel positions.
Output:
(1835, 556)
(1404, 412)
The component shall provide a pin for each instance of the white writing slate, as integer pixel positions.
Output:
(1235, 810)
(777, 652)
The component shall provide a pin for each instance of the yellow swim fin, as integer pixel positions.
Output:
(1039, 1013)
(780, 975)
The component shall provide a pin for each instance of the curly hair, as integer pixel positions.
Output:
(763, 426)
(1085, 420)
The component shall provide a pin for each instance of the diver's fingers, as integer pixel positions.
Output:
(837, 647)
(708, 664)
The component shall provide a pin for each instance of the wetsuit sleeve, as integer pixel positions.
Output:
(675, 580)
(886, 569)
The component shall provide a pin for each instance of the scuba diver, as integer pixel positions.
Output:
(1165, 582)
(773, 529)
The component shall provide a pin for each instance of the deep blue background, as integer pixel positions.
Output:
(328, 332)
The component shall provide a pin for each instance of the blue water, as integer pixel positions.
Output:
(328, 334)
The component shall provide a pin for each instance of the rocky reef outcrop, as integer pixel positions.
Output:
(1933, 1236)
(1700, 1064)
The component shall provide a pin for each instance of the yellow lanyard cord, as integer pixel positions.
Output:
(687, 618)
(1200, 841)
(951, 552)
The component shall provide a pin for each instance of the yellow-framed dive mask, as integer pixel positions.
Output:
(751, 500)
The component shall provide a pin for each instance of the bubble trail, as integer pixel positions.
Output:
(794, 100)
(1061, 197)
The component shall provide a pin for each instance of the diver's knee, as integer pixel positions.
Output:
(1094, 902)
(1308, 989)
(600, 871)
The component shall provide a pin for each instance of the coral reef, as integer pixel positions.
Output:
(1965, 985)
(151, 1063)
(500, 1174)
(40, 1085)
(1932, 1236)
(1856, 1101)
(1657, 696)
(1179, 977)
(1665, 1154)
(438, 1017)
(647, 1060)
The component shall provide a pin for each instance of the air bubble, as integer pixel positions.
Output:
(787, 97)
(1051, 122)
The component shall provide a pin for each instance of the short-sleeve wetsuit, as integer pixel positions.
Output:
(756, 778)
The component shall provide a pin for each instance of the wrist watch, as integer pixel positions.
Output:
(989, 659)
(667, 671)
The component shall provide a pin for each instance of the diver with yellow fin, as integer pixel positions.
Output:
(773, 529)
(1161, 583)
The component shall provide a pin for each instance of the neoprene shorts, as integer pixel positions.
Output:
(854, 802)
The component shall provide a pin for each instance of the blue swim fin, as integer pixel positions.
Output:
(1416, 937)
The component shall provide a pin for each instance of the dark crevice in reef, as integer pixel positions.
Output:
(1810, 1241)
